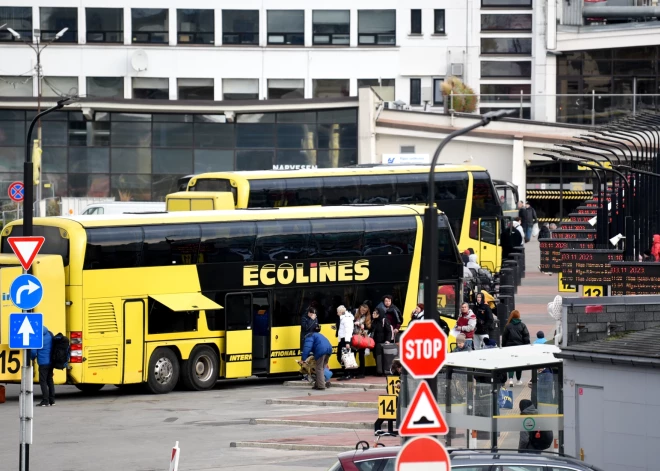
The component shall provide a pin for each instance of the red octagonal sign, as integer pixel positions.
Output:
(424, 346)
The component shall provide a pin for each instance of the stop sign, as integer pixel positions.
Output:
(423, 346)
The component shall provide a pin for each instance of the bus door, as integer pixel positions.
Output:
(261, 314)
(133, 341)
(238, 341)
(489, 249)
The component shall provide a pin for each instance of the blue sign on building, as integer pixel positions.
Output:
(26, 292)
(26, 331)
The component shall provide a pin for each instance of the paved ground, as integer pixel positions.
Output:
(239, 425)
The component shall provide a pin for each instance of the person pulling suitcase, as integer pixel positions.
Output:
(383, 334)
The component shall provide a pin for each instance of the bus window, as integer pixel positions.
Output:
(282, 240)
(389, 235)
(451, 195)
(287, 307)
(163, 320)
(375, 292)
(212, 184)
(304, 191)
(228, 242)
(170, 245)
(215, 318)
(411, 189)
(484, 201)
(341, 190)
(238, 309)
(54, 244)
(378, 189)
(267, 193)
(337, 237)
(507, 198)
(326, 300)
(489, 231)
(113, 247)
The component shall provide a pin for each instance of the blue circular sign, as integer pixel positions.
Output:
(26, 292)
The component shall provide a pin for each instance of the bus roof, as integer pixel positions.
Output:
(315, 172)
(523, 356)
(302, 212)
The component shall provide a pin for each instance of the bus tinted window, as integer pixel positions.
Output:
(304, 191)
(282, 240)
(215, 318)
(287, 307)
(228, 242)
(113, 247)
(341, 190)
(170, 245)
(411, 188)
(54, 244)
(163, 320)
(327, 299)
(389, 235)
(333, 238)
(484, 199)
(212, 184)
(375, 293)
(378, 189)
(267, 193)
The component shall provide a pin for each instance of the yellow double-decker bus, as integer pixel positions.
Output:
(195, 296)
(465, 193)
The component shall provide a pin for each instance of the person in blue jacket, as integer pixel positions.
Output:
(45, 369)
(319, 346)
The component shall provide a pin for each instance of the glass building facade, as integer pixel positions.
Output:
(140, 156)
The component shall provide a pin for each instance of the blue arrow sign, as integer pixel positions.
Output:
(26, 292)
(26, 331)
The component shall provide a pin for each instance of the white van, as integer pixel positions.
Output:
(124, 207)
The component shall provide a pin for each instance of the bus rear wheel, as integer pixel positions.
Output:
(163, 371)
(89, 388)
(200, 371)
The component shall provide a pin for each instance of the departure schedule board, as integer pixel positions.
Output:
(588, 267)
(576, 226)
(574, 234)
(635, 278)
(551, 255)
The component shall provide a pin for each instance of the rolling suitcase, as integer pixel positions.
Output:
(390, 352)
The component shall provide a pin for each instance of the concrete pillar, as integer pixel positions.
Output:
(367, 113)
(82, 26)
(174, 88)
(354, 27)
(128, 27)
(172, 27)
(217, 37)
(308, 28)
(519, 167)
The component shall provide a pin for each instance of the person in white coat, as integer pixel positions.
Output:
(344, 334)
(473, 262)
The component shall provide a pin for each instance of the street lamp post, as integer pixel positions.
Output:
(38, 49)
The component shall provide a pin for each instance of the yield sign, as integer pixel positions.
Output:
(423, 416)
(423, 454)
(26, 248)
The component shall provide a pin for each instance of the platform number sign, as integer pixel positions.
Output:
(565, 287)
(594, 291)
(393, 385)
(387, 407)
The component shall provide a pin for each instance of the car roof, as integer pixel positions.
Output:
(476, 457)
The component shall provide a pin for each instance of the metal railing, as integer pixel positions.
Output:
(153, 37)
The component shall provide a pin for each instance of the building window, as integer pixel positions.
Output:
(195, 26)
(509, 22)
(286, 89)
(507, 3)
(331, 27)
(151, 88)
(105, 25)
(438, 97)
(286, 27)
(517, 69)
(377, 27)
(415, 21)
(407, 149)
(17, 18)
(195, 88)
(240, 26)
(331, 88)
(415, 91)
(384, 88)
(15, 86)
(438, 22)
(505, 92)
(59, 86)
(150, 25)
(105, 87)
(54, 20)
(506, 46)
(240, 89)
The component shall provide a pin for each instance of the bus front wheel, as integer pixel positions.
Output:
(89, 388)
(163, 371)
(200, 371)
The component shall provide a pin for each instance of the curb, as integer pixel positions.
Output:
(335, 385)
(291, 446)
(295, 402)
(307, 423)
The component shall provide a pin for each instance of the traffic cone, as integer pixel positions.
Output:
(174, 461)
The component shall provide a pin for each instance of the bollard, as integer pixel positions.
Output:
(519, 258)
(174, 461)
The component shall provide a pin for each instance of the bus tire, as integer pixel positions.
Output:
(163, 371)
(89, 388)
(200, 371)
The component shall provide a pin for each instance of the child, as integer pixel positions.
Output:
(540, 338)
(461, 344)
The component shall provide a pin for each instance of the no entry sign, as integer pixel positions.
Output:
(424, 347)
(423, 454)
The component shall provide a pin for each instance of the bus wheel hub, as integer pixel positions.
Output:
(163, 370)
(203, 368)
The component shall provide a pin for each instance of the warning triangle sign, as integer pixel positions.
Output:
(423, 417)
(26, 248)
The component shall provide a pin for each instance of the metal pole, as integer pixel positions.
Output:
(561, 193)
(634, 96)
(39, 91)
(521, 105)
(593, 107)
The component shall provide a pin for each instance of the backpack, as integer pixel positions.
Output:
(541, 440)
(59, 353)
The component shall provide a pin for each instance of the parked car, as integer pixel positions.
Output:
(383, 459)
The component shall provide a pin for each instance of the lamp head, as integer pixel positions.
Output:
(14, 33)
(61, 33)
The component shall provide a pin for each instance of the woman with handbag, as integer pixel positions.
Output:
(344, 334)
(361, 336)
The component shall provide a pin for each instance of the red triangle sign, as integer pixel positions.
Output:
(423, 417)
(26, 248)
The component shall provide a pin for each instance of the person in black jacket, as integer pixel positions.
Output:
(308, 324)
(515, 333)
(382, 332)
(528, 218)
(485, 321)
